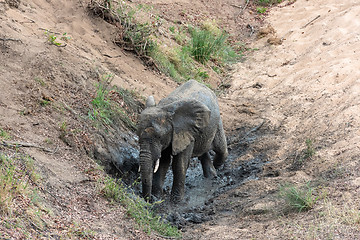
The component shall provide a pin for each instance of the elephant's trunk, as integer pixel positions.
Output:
(146, 171)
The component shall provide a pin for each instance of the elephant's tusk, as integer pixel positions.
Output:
(139, 168)
(157, 165)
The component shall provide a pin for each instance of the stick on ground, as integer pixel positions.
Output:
(23, 144)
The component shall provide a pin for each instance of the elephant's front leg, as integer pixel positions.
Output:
(159, 176)
(179, 166)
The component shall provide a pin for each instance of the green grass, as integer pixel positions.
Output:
(40, 81)
(190, 60)
(4, 135)
(44, 102)
(15, 173)
(63, 126)
(79, 232)
(112, 191)
(135, 35)
(268, 2)
(23, 214)
(112, 104)
(137, 208)
(300, 199)
(187, 60)
(52, 38)
(177, 63)
(29, 165)
(205, 45)
(208, 44)
(180, 36)
(310, 150)
(101, 107)
(9, 186)
(261, 10)
(172, 29)
(306, 154)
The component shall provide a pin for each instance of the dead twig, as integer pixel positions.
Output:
(77, 115)
(23, 144)
(233, 5)
(243, 8)
(107, 55)
(310, 22)
(44, 29)
(240, 139)
(69, 109)
(10, 39)
(165, 237)
(30, 21)
(254, 129)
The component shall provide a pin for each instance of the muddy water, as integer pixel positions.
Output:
(201, 193)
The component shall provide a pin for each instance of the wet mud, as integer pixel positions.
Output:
(199, 204)
(201, 193)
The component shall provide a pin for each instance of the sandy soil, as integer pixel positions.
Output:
(33, 70)
(306, 88)
(281, 95)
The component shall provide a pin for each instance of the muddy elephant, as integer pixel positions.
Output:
(183, 125)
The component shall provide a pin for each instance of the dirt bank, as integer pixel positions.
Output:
(283, 99)
(307, 88)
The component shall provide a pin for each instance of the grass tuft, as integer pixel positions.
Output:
(310, 150)
(261, 10)
(137, 208)
(111, 104)
(4, 135)
(15, 174)
(205, 45)
(298, 199)
(9, 186)
(194, 48)
(268, 2)
(101, 107)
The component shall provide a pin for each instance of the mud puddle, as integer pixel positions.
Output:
(201, 193)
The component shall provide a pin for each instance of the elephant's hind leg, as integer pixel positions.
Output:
(207, 166)
(220, 147)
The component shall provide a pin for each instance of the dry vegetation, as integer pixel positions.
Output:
(74, 78)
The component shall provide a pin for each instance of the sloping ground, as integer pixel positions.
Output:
(305, 89)
(46, 91)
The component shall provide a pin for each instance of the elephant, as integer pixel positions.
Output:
(183, 125)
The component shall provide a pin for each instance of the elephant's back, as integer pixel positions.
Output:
(197, 91)
(193, 90)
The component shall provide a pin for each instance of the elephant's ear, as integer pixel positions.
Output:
(190, 117)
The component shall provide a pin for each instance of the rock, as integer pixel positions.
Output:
(125, 158)
(274, 41)
(268, 30)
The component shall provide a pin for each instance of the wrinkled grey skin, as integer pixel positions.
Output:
(183, 125)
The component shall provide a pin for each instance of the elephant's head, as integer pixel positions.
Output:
(173, 125)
